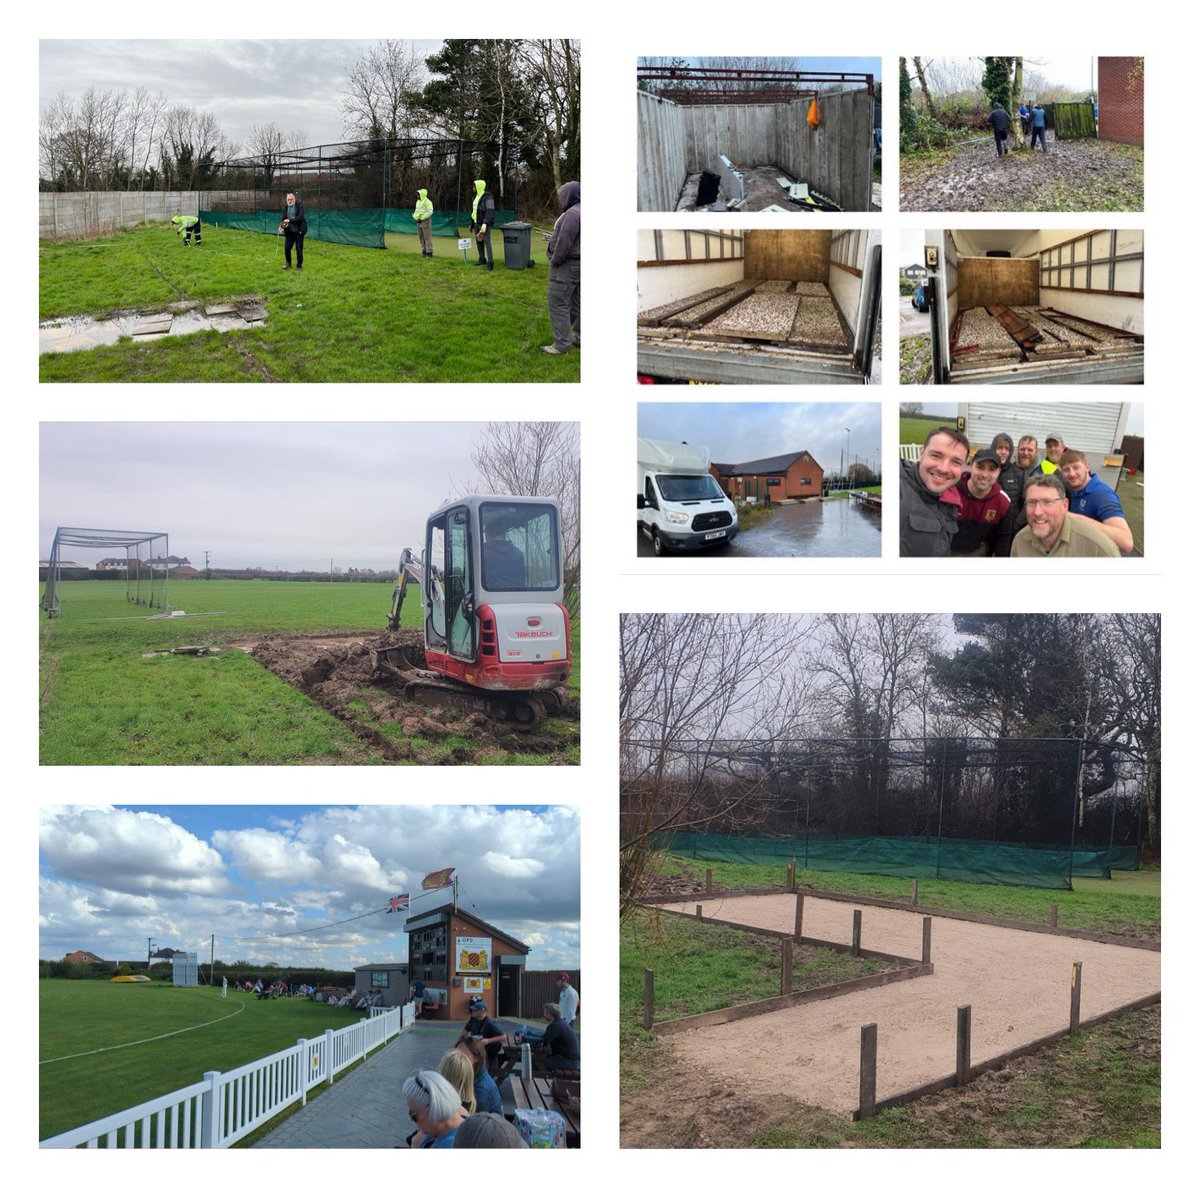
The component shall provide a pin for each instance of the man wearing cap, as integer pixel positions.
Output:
(568, 999)
(1052, 531)
(1096, 500)
(984, 522)
(483, 1028)
(1054, 450)
(929, 497)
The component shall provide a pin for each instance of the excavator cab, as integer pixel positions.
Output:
(491, 580)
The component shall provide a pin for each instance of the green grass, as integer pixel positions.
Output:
(103, 703)
(353, 314)
(846, 494)
(916, 429)
(80, 1016)
(1129, 904)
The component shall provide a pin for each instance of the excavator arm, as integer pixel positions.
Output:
(411, 570)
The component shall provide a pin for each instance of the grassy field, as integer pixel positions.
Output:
(76, 1017)
(916, 429)
(352, 314)
(1100, 1088)
(102, 702)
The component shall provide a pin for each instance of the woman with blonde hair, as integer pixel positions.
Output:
(457, 1068)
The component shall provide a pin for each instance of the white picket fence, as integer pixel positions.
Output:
(227, 1106)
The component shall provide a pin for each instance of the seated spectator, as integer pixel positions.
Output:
(457, 1068)
(487, 1092)
(560, 1045)
(488, 1130)
(434, 1105)
(482, 1027)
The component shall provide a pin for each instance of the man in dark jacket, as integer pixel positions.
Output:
(562, 294)
(1037, 123)
(1001, 123)
(294, 226)
(560, 1045)
(929, 497)
(483, 215)
(984, 519)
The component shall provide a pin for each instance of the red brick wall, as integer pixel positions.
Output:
(1120, 104)
(803, 468)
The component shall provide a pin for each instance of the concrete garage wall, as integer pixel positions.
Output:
(836, 156)
(745, 133)
(84, 215)
(661, 165)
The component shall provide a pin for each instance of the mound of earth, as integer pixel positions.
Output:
(338, 673)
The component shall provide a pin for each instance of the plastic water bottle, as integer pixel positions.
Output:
(526, 1063)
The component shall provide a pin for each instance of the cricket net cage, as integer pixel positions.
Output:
(1030, 812)
(360, 191)
(139, 567)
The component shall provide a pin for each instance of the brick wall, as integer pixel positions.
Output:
(1120, 103)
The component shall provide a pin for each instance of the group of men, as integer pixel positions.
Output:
(562, 250)
(1033, 125)
(1007, 501)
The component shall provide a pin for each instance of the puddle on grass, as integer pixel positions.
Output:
(81, 333)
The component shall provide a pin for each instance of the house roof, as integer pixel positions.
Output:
(389, 965)
(82, 955)
(776, 465)
(446, 910)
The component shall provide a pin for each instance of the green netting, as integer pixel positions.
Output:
(359, 228)
(399, 221)
(1008, 863)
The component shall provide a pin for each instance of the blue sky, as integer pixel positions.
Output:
(109, 877)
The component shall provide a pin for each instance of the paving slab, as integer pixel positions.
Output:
(1017, 983)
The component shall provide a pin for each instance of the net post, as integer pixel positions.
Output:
(962, 1051)
(867, 1051)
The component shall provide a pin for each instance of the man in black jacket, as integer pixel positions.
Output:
(562, 294)
(929, 497)
(294, 226)
(483, 215)
(1001, 123)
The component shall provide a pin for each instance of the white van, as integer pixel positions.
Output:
(680, 505)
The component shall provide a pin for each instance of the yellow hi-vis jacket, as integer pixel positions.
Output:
(424, 208)
(480, 187)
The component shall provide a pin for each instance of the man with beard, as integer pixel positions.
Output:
(984, 522)
(929, 496)
(1054, 450)
(1095, 500)
(1052, 531)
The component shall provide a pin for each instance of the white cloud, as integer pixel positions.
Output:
(263, 854)
(512, 868)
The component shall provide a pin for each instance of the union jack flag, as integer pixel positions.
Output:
(398, 903)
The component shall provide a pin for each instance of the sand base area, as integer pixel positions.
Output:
(1017, 983)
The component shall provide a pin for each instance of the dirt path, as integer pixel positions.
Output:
(1017, 984)
(1075, 175)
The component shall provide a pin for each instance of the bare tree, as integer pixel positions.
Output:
(700, 695)
(552, 71)
(381, 97)
(538, 458)
(919, 66)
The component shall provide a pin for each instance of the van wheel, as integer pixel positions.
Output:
(658, 544)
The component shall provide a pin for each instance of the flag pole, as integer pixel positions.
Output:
(456, 895)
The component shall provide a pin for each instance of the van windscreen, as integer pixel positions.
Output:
(680, 488)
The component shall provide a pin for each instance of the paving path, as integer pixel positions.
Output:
(365, 1107)
(1017, 984)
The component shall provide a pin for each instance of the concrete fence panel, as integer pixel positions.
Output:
(661, 164)
(93, 213)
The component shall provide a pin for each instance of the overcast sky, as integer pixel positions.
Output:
(292, 84)
(111, 877)
(1075, 73)
(274, 495)
(747, 432)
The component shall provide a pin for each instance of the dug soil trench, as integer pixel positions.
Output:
(1017, 983)
(337, 672)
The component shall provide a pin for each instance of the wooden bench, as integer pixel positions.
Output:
(538, 1094)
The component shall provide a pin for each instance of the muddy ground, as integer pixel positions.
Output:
(337, 672)
(1075, 175)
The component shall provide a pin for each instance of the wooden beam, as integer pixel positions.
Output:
(962, 1048)
(867, 1052)
(1076, 991)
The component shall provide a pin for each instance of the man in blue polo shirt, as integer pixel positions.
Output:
(1094, 500)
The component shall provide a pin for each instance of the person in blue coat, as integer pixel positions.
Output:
(1037, 120)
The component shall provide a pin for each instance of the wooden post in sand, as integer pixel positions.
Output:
(962, 1059)
(785, 965)
(866, 1071)
(926, 940)
(856, 933)
(1076, 989)
(798, 931)
(699, 911)
(708, 880)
